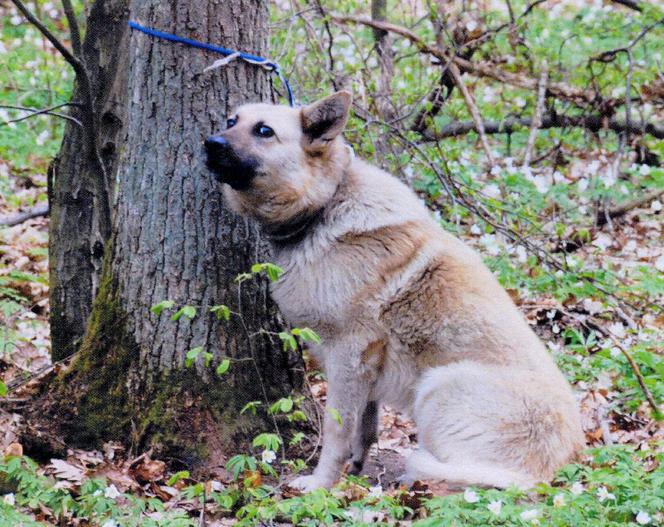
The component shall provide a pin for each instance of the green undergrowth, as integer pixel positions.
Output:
(615, 486)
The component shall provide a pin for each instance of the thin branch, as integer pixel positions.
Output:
(537, 117)
(472, 107)
(37, 111)
(73, 28)
(88, 119)
(632, 4)
(619, 210)
(594, 123)
(483, 69)
(635, 368)
(66, 54)
(15, 219)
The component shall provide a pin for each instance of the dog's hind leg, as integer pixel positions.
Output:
(366, 436)
(421, 464)
(493, 425)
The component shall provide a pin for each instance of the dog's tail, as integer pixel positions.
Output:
(423, 465)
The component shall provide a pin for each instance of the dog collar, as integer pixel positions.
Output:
(294, 230)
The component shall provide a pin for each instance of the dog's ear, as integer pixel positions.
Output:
(325, 119)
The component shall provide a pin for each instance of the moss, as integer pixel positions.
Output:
(104, 395)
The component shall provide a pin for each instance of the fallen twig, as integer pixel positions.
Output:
(619, 210)
(14, 219)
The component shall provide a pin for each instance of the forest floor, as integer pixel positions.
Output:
(601, 317)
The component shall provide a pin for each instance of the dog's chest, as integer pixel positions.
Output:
(314, 291)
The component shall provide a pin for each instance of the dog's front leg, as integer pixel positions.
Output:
(347, 396)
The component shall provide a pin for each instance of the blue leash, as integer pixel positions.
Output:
(247, 57)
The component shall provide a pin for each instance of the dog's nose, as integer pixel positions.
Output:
(216, 143)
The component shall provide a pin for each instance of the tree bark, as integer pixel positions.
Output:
(77, 231)
(174, 239)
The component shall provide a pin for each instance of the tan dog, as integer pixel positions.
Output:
(408, 315)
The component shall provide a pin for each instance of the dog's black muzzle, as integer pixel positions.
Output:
(227, 166)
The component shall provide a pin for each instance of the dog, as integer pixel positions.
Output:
(408, 315)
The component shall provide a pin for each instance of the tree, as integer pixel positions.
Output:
(173, 239)
(79, 190)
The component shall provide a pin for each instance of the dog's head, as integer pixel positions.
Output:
(280, 163)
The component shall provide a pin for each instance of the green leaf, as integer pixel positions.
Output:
(187, 311)
(267, 441)
(183, 474)
(336, 415)
(222, 312)
(296, 439)
(251, 407)
(288, 340)
(160, 306)
(3, 389)
(191, 355)
(223, 367)
(273, 271)
(306, 334)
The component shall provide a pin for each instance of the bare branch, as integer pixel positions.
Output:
(619, 210)
(632, 4)
(472, 107)
(537, 117)
(483, 69)
(594, 123)
(66, 54)
(43, 111)
(73, 27)
(15, 219)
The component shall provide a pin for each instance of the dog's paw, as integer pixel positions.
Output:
(309, 483)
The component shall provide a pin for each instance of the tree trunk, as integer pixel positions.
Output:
(174, 239)
(77, 232)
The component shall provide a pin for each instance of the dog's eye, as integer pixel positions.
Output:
(262, 130)
(230, 123)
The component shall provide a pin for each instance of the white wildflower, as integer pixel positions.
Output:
(42, 137)
(376, 492)
(529, 515)
(475, 230)
(471, 496)
(558, 500)
(541, 183)
(643, 518)
(520, 102)
(9, 499)
(617, 330)
(603, 494)
(490, 243)
(109, 523)
(656, 206)
(112, 492)
(577, 488)
(15, 20)
(521, 254)
(268, 456)
(216, 486)
(644, 170)
(492, 190)
(495, 506)
(603, 241)
(659, 263)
